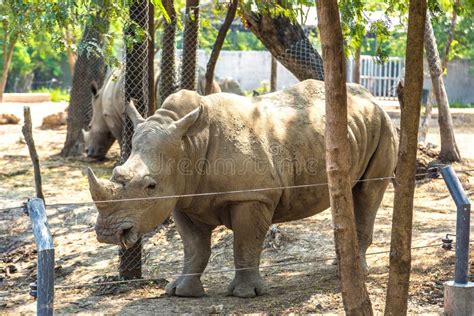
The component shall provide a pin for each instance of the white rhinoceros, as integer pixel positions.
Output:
(267, 153)
(108, 107)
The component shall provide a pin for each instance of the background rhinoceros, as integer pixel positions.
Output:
(108, 107)
(267, 153)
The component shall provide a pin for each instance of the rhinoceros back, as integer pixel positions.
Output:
(277, 140)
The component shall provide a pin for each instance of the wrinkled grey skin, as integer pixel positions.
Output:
(107, 112)
(272, 141)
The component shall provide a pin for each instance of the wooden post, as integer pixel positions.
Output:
(45, 248)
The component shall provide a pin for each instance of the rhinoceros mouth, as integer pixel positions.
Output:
(126, 236)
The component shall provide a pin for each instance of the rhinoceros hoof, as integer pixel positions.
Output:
(247, 289)
(186, 286)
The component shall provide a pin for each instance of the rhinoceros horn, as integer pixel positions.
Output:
(98, 190)
(133, 114)
(85, 135)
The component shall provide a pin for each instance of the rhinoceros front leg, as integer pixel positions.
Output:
(197, 249)
(250, 222)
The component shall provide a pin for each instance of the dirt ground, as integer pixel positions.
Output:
(309, 287)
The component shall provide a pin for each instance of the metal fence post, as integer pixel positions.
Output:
(45, 248)
(459, 294)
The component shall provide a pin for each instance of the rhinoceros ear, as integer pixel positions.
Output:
(133, 114)
(94, 89)
(184, 125)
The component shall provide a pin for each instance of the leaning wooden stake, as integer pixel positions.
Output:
(354, 292)
(410, 97)
(27, 131)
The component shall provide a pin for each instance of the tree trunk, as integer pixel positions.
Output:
(136, 72)
(354, 293)
(168, 83)
(356, 69)
(139, 87)
(425, 122)
(287, 42)
(449, 149)
(151, 60)
(216, 49)
(89, 67)
(7, 58)
(444, 63)
(410, 100)
(273, 75)
(71, 56)
(190, 42)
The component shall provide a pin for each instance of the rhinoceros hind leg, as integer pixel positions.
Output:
(367, 199)
(197, 249)
(250, 223)
(368, 195)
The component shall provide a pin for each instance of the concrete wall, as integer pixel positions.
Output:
(459, 81)
(250, 68)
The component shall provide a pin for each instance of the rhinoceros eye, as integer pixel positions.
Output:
(150, 183)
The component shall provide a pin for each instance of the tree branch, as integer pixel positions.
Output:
(216, 49)
(27, 131)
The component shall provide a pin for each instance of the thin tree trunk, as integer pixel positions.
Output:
(287, 42)
(425, 122)
(190, 42)
(449, 149)
(71, 56)
(273, 75)
(444, 62)
(356, 69)
(168, 83)
(136, 72)
(137, 87)
(151, 59)
(7, 58)
(354, 292)
(410, 100)
(27, 131)
(89, 67)
(216, 49)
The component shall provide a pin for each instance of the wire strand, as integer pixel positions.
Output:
(218, 271)
(217, 193)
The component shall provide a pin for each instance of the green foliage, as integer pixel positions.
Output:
(210, 22)
(40, 27)
(57, 94)
(462, 45)
(460, 105)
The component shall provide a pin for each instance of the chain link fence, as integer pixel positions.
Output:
(302, 54)
(136, 88)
